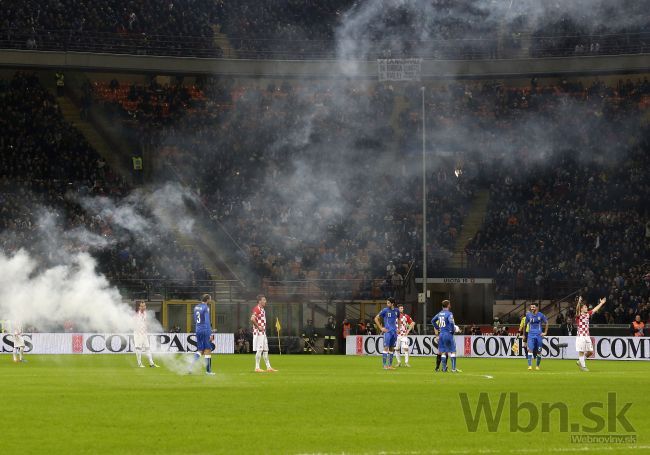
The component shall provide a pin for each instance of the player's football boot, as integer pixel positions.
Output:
(259, 370)
(407, 365)
(272, 370)
(210, 373)
(530, 368)
(537, 368)
(140, 366)
(456, 371)
(154, 366)
(584, 368)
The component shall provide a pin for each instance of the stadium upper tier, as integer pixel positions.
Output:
(467, 29)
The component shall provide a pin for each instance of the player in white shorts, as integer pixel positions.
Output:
(141, 335)
(19, 342)
(260, 342)
(583, 340)
(404, 326)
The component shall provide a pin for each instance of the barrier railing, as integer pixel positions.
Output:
(269, 48)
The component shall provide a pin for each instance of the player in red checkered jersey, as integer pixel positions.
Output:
(260, 342)
(404, 326)
(583, 340)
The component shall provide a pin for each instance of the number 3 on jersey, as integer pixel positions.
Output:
(198, 317)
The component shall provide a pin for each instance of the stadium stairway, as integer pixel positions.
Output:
(222, 41)
(471, 225)
(210, 249)
(72, 115)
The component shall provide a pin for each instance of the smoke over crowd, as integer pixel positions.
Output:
(321, 173)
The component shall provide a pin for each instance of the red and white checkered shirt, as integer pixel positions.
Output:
(260, 317)
(582, 321)
(403, 323)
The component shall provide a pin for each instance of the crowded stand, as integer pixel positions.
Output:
(456, 29)
(200, 126)
(306, 30)
(627, 31)
(574, 219)
(119, 26)
(566, 218)
(47, 174)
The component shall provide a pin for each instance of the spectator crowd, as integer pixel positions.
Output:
(447, 29)
(47, 169)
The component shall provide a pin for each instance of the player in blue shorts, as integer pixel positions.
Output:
(444, 323)
(203, 329)
(534, 320)
(389, 315)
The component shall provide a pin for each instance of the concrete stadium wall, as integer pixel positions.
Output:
(431, 69)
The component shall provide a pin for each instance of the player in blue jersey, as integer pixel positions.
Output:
(444, 323)
(389, 316)
(436, 332)
(534, 321)
(201, 315)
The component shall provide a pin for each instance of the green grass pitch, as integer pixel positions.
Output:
(314, 404)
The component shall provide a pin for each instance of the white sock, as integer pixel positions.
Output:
(406, 356)
(20, 352)
(581, 359)
(150, 355)
(138, 355)
(397, 356)
(266, 360)
(15, 354)
(258, 356)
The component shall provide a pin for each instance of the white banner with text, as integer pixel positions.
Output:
(112, 343)
(557, 347)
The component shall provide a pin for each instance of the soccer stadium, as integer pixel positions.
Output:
(325, 226)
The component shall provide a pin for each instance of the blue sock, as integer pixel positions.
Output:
(530, 360)
(453, 363)
(197, 356)
(539, 359)
(390, 359)
(383, 359)
(444, 363)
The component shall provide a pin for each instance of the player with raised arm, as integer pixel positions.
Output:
(19, 342)
(141, 334)
(204, 336)
(444, 320)
(404, 326)
(583, 340)
(534, 320)
(260, 342)
(389, 317)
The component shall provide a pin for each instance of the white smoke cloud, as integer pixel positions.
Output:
(47, 296)
(55, 278)
(145, 212)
